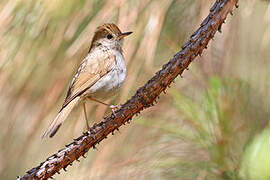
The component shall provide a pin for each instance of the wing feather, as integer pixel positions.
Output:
(93, 67)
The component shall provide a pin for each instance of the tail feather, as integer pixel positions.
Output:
(60, 118)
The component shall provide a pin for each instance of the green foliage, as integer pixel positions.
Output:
(213, 132)
(256, 160)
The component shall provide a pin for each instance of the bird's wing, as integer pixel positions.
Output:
(92, 68)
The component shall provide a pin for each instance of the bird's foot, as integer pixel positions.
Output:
(114, 108)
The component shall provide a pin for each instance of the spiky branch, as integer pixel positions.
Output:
(145, 96)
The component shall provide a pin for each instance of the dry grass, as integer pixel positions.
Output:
(199, 130)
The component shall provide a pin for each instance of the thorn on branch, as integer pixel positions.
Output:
(67, 145)
(104, 126)
(112, 116)
(77, 139)
(104, 136)
(202, 42)
(56, 163)
(200, 52)
(222, 4)
(66, 155)
(214, 6)
(65, 168)
(86, 140)
(193, 57)
(93, 136)
(205, 21)
(213, 23)
(163, 84)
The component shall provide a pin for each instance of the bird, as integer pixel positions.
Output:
(99, 76)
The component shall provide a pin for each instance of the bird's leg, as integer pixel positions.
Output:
(112, 107)
(85, 115)
(98, 101)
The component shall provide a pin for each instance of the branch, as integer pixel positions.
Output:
(145, 96)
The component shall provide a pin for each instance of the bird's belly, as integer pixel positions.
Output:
(109, 84)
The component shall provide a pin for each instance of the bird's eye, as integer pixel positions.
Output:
(109, 36)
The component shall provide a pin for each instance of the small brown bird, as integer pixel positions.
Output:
(99, 76)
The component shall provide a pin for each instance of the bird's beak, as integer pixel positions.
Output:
(122, 35)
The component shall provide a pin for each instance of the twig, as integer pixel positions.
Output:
(145, 96)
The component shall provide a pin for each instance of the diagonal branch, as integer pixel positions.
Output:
(145, 96)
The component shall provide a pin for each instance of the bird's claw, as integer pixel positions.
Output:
(114, 108)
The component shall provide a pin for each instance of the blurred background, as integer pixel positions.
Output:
(212, 124)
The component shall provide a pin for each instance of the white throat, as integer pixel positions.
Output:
(111, 44)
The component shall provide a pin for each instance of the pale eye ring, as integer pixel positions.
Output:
(109, 36)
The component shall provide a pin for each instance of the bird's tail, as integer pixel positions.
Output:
(60, 118)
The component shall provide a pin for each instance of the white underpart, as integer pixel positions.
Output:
(109, 85)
